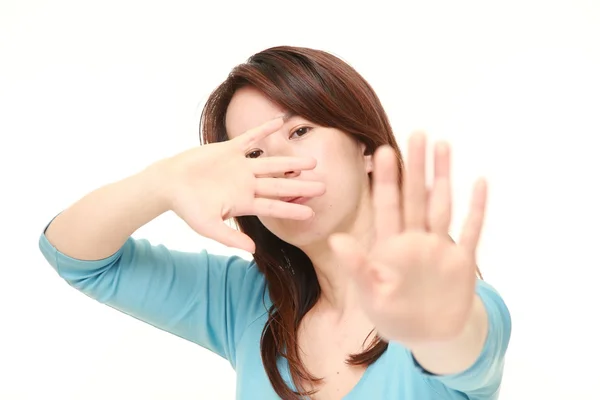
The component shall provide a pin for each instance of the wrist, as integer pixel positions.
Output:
(155, 184)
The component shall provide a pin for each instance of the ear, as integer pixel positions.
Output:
(368, 158)
(369, 163)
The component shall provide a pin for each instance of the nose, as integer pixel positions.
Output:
(280, 147)
(286, 174)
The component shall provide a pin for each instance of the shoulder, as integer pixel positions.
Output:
(496, 308)
(254, 289)
(248, 290)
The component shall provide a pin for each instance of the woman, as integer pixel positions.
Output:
(355, 290)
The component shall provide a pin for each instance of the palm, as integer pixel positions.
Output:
(416, 284)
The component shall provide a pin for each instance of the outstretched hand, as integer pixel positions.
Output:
(416, 284)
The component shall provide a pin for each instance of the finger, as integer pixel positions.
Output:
(252, 136)
(279, 187)
(263, 207)
(472, 228)
(352, 256)
(440, 198)
(276, 165)
(442, 160)
(217, 230)
(386, 193)
(439, 210)
(415, 191)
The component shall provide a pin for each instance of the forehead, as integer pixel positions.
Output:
(248, 109)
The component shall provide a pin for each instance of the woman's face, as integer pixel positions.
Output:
(341, 166)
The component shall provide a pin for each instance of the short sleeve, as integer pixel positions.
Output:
(196, 296)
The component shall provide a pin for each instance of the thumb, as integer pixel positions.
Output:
(218, 230)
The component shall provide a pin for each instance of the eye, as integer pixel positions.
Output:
(301, 131)
(254, 154)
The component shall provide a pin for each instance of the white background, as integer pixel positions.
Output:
(91, 92)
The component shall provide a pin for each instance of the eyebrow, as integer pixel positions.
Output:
(288, 115)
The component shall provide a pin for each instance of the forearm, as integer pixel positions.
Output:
(456, 355)
(96, 226)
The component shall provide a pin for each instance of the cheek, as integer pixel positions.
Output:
(270, 224)
(341, 170)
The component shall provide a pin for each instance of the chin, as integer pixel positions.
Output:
(299, 233)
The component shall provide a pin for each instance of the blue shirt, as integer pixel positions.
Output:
(218, 302)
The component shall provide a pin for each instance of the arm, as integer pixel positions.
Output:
(192, 295)
(458, 354)
(473, 363)
(98, 225)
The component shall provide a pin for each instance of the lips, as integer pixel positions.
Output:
(296, 200)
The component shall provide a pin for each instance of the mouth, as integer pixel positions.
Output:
(296, 200)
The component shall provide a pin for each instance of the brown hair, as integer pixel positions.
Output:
(325, 90)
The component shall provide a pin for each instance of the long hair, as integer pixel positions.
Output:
(325, 90)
